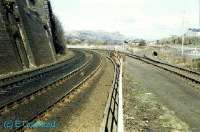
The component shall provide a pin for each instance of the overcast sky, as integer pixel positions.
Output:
(149, 19)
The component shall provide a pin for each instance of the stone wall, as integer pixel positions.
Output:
(25, 37)
(9, 56)
(39, 38)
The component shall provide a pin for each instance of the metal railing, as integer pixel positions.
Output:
(110, 121)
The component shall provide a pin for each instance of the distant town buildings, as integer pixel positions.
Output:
(192, 32)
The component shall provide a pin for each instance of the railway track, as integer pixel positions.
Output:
(24, 84)
(24, 76)
(72, 92)
(31, 106)
(184, 73)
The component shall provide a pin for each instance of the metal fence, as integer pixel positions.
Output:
(110, 122)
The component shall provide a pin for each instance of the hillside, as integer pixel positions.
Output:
(90, 37)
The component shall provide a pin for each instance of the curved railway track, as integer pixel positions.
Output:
(23, 77)
(184, 73)
(21, 85)
(35, 103)
(93, 70)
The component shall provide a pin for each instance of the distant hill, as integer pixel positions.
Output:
(91, 37)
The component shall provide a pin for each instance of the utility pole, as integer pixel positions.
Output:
(183, 39)
(183, 36)
(199, 13)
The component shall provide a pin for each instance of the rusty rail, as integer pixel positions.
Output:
(97, 63)
(162, 65)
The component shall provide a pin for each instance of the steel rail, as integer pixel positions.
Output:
(167, 67)
(72, 73)
(182, 72)
(9, 100)
(33, 74)
(167, 64)
(192, 73)
(98, 64)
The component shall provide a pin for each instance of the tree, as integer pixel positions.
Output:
(57, 31)
(60, 36)
(142, 43)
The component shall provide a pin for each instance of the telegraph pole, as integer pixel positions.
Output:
(199, 13)
(183, 36)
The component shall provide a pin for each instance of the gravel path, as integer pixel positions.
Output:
(157, 100)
